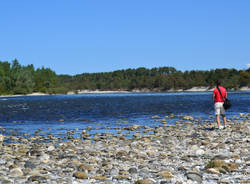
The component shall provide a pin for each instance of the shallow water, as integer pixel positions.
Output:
(57, 114)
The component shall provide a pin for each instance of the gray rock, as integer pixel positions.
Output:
(199, 152)
(39, 179)
(29, 164)
(132, 170)
(221, 157)
(45, 158)
(114, 172)
(194, 176)
(165, 181)
(5, 180)
(224, 181)
(2, 161)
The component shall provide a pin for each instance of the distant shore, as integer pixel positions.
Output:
(193, 89)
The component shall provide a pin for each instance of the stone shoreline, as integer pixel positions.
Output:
(187, 152)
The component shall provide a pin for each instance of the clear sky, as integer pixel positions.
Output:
(78, 36)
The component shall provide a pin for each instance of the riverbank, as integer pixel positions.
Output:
(188, 152)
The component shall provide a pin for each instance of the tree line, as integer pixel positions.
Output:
(18, 79)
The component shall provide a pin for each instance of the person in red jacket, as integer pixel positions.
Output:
(218, 104)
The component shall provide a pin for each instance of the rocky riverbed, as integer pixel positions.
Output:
(188, 152)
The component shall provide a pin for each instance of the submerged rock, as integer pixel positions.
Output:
(188, 118)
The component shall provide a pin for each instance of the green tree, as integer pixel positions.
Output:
(24, 83)
(46, 80)
(244, 78)
(5, 85)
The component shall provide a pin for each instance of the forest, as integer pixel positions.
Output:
(18, 79)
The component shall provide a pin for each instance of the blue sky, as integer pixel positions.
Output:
(78, 36)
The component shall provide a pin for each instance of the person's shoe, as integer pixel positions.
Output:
(224, 127)
(220, 128)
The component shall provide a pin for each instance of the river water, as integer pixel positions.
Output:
(58, 114)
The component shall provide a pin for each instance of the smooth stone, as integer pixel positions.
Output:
(16, 172)
(121, 154)
(222, 170)
(2, 161)
(165, 182)
(45, 158)
(51, 148)
(166, 174)
(238, 161)
(194, 148)
(132, 170)
(114, 172)
(122, 177)
(5, 180)
(213, 171)
(200, 152)
(145, 181)
(39, 179)
(29, 164)
(85, 167)
(100, 172)
(194, 176)
(102, 178)
(221, 157)
(205, 142)
(80, 175)
(76, 162)
(224, 181)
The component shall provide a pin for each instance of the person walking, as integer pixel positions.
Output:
(219, 95)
